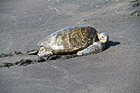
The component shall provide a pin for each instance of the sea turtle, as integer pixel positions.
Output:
(77, 39)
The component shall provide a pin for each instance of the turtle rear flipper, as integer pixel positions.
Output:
(44, 52)
(32, 52)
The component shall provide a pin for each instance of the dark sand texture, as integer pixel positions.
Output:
(116, 70)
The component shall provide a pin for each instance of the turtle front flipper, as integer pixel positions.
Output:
(96, 47)
(44, 52)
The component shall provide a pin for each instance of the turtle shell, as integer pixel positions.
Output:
(70, 39)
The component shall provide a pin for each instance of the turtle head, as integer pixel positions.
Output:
(103, 37)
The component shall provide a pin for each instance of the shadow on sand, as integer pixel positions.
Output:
(111, 43)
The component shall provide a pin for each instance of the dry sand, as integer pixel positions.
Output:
(116, 70)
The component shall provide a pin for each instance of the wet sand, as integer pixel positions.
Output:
(115, 70)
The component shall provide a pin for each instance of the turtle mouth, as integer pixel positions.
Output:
(103, 41)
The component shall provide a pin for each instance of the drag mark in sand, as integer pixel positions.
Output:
(30, 60)
(25, 62)
(136, 4)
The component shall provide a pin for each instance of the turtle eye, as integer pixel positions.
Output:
(102, 36)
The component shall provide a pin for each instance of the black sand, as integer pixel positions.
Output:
(115, 70)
